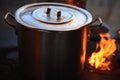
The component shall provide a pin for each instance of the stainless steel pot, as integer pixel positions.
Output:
(51, 39)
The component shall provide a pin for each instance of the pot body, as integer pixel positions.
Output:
(51, 40)
(51, 55)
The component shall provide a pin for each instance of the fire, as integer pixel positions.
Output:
(100, 58)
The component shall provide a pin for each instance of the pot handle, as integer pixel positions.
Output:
(97, 19)
(10, 20)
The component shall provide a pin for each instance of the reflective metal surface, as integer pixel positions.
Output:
(51, 55)
(34, 16)
(47, 55)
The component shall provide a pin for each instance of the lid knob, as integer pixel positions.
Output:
(58, 15)
(48, 11)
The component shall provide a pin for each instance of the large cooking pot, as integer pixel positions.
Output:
(51, 39)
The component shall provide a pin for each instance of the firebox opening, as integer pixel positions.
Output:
(101, 49)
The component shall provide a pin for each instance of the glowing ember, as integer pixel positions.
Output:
(100, 58)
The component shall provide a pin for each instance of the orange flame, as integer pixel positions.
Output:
(101, 59)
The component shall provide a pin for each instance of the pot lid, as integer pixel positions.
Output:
(52, 16)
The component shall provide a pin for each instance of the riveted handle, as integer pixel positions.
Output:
(97, 19)
(10, 20)
(95, 29)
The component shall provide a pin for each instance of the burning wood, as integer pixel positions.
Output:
(105, 48)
